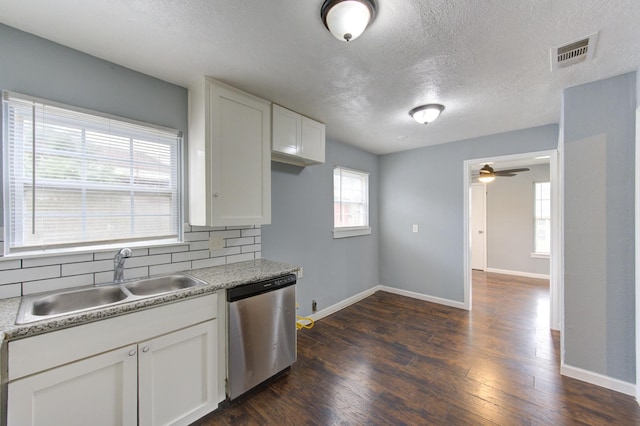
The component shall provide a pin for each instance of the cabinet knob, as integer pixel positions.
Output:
(215, 195)
(132, 352)
(145, 349)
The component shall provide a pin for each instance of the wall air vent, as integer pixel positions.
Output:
(573, 52)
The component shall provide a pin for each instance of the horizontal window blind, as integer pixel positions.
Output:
(74, 178)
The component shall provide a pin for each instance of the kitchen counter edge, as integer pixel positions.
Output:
(217, 278)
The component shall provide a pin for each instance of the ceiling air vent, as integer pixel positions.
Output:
(573, 52)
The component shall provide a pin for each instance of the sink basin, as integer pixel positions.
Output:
(153, 286)
(62, 303)
(38, 307)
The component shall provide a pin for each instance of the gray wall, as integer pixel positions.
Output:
(599, 135)
(44, 69)
(510, 221)
(425, 187)
(302, 225)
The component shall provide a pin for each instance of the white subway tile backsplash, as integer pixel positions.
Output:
(240, 227)
(56, 260)
(158, 259)
(86, 267)
(226, 234)
(10, 290)
(196, 236)
(208, 263)
(190, 255)
(19, 275)
(10, 264)
(240, 258)
(169, 249)
(250, 232)
(56, 284)
(226, 252)
(199, 245)
(251, 248)
(232, 242)
(46, 273)
(169, 268)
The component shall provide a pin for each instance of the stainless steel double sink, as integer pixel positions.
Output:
(64, 302)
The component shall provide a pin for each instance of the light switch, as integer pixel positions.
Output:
(415, 228)
(216, 243)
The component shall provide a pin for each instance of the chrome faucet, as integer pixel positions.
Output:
(118, 264)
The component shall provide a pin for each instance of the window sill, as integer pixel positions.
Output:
(351, 232)
(90, 249)
(540, 255)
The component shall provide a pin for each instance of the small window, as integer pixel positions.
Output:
(350, 203)
(77, 178)
(542, 218)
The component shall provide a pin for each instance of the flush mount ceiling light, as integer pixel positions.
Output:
(425, 114)
(347, 19)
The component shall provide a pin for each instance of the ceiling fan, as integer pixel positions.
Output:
(487, 174)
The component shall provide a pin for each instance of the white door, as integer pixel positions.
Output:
(478, 226)
(178, 380)
(100, 390)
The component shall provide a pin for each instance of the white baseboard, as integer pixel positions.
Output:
(343, 304)
(598, 379)
(517, 273)
(420, 296)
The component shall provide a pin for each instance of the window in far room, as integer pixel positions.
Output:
(542, 218)
(350, 203)
(77, 178)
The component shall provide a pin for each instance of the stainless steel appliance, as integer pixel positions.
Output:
(262, 332)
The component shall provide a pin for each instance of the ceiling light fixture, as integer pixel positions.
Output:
(347, 19)
(425, 114)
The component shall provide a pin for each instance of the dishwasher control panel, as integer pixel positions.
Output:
(252, 289)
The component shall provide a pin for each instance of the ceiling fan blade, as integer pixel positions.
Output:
(499, 172)
(505, 174)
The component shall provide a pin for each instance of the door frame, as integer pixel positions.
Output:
(555, 259)
(484, 225)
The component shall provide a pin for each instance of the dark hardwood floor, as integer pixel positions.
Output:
(391, 359)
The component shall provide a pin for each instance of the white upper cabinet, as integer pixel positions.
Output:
(297, 139)
(229, 156)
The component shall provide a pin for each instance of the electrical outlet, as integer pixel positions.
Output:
(314, 306)
(300, 273)
(415, 228)
(216, 243)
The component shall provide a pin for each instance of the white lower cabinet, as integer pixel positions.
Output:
(164, 371)
(100, 390)
(177, 376)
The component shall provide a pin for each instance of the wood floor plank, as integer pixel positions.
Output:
(390, 359)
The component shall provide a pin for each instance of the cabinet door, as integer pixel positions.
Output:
(100, 390)
(240, 137)
(178, 376)
(287, 131)
(313, 140)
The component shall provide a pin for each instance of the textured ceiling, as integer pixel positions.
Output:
(486, 61)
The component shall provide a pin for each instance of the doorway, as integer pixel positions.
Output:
(478, 226)
(554, 273)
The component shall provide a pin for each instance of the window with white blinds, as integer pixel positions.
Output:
(78, 178)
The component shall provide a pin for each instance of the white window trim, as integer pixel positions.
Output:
(354, 231)
(540, 255)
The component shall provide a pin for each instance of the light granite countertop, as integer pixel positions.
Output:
(217, 278)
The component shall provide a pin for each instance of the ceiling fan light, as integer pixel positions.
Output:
(425, 114)
(347, 19)
(486, 179)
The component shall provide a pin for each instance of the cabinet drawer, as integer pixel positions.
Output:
(38, 353)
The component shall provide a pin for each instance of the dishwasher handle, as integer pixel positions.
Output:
(253, 289)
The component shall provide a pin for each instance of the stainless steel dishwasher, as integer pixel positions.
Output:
(262, 332)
